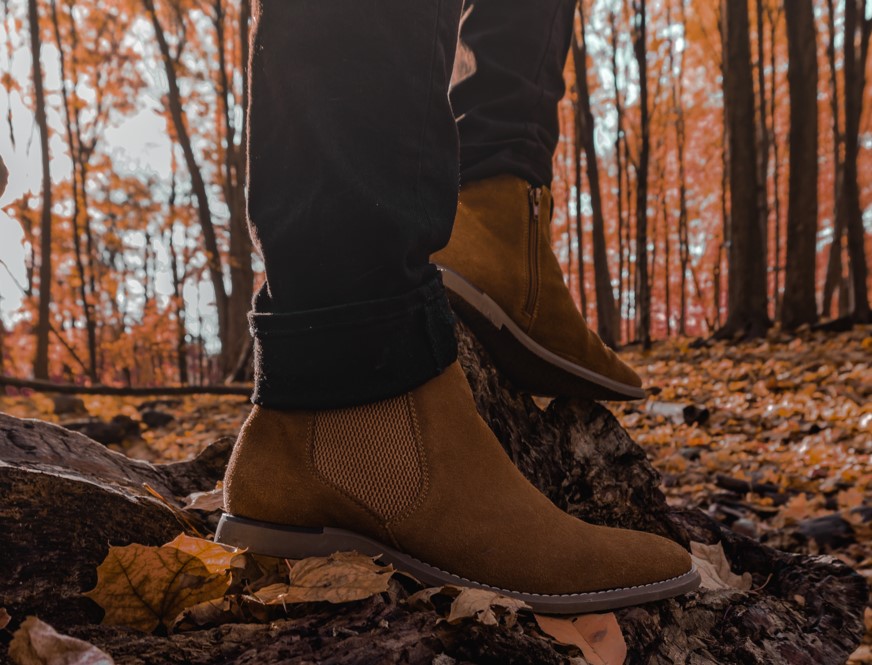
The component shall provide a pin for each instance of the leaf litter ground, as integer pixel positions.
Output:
(779, 447)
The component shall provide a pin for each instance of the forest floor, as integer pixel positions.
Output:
(773, 437)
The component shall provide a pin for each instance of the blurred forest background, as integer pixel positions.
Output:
(712, 178)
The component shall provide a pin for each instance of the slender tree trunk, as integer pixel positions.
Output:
(643, 292)
(240, 245)
(774, 15)
(579, 230)
(198, 185)
(746, 299)
(680, 139)
(78, 186)
(855, 83)
(619, 112)
(833, 278)
(607, 315)
(762, 138)
(799, 306)
(40, 364)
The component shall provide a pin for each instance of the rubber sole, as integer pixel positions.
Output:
(528, 365)
(298, 543)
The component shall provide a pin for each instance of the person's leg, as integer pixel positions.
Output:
(499, 266)
(506, 108)
(352, 185)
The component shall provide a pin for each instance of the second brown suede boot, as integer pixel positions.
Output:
(420, 480)
(506, 283)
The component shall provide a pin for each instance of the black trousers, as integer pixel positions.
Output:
(355, 158)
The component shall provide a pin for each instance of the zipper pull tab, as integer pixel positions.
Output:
(535, 199)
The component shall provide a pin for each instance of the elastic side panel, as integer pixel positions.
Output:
(372, 453)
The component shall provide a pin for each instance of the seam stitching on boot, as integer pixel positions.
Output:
(552, 595)
(313, 468)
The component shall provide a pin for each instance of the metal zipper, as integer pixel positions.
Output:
(535, 196)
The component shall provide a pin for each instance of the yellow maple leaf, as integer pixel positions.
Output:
(145, 587)
(216, 557)
(339, 578)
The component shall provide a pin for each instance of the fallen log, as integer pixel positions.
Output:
(64, 499)
(40, 385)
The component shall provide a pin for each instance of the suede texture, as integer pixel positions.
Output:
(476, 516)
(501, 247)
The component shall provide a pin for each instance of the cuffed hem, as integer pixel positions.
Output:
(353, 354)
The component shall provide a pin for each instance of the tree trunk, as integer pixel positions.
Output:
(774, 15)
(78, 192)
(762, 139)
(607, 315)
(579, 218)
(198, 185)
(680, 139)
(240, 251)
(746, 298)
(834, 276)
(643, 290)
(855, 83)
(40, 363)
(619, 141)
(574, 451)
(798, 305)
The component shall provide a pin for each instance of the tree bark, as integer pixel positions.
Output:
(607, 315)
(855, 83)
(240, 245)
(40, 363)
(643, 289)
(798, 305)
(834, 277)
(78, 186)
(746, 298)
(762, 138)
(774, 15)
(198, 185)
(574, 451)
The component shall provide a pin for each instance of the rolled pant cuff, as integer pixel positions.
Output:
(352, 354)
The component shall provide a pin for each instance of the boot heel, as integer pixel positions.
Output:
(289, 542)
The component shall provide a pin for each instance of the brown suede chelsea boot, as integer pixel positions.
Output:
(420, 480)
(506, 283)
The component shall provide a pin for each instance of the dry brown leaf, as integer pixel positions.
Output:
(423, 599)
(206, 501)
(597, 635)
(339, 578)
(235, 608)
(713, 566)
(4, 618)
(485, 607)
(37, 643)
(216, 557)
(144, 587)
(850, 498)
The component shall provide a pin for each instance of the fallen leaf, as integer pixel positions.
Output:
(216, 557)
(237, 608)
(37, 643)
(850, 498)
(144, 587)
(4, 618)
(485, 607)
(597, 635)
(423, 599)
(206, 501)
(339, 578)
(713, 566)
